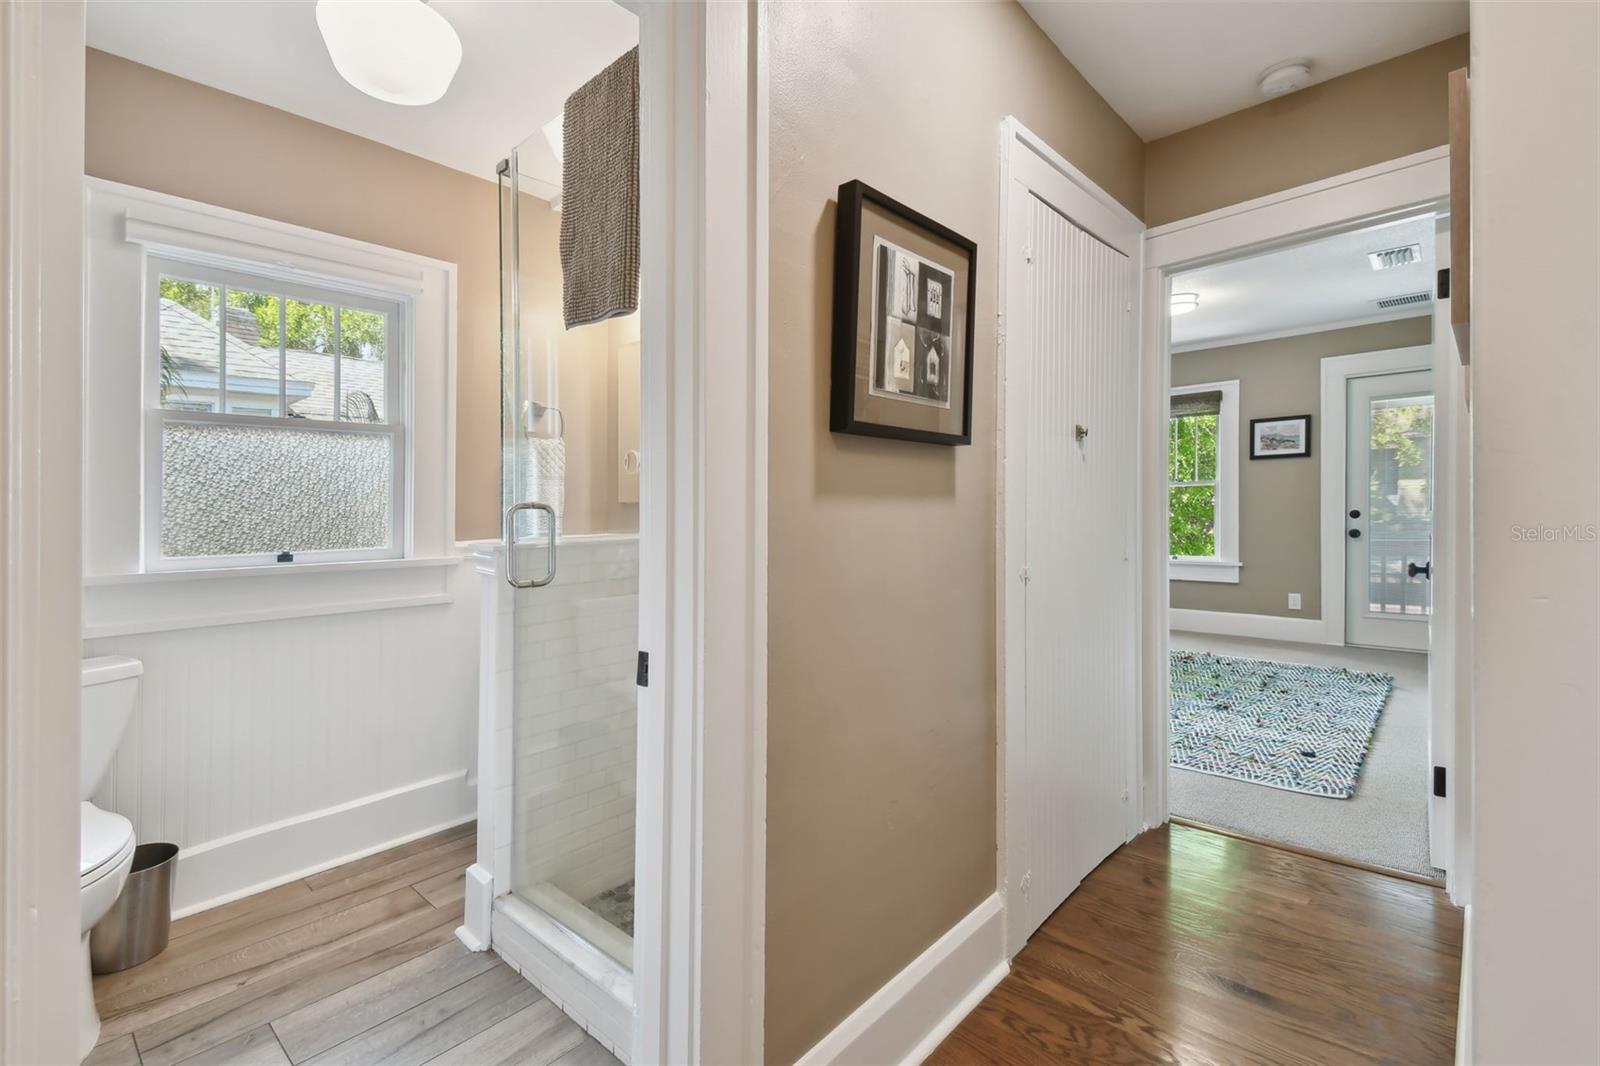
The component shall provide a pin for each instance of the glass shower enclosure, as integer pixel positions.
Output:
(574, 599)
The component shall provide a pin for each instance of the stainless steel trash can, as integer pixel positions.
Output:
(135, 929)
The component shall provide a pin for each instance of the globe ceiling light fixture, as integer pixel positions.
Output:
(397, 51)
(1184, 302)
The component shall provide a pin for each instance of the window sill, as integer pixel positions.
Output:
(1217, 571)
(152, 577)
(127, 604)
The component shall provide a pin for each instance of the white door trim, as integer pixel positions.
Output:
(1030, 166)
(41, 369)
(1398, 187)
(703, 394)
(1448, 716)
(1337, 371)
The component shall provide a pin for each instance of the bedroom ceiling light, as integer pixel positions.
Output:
(398, 51)
(1284, 78)
(1184, 302)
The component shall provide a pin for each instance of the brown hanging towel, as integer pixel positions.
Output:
(600, 196)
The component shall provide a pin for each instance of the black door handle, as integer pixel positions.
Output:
(1425, 570)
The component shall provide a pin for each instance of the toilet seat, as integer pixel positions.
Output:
(105, 842)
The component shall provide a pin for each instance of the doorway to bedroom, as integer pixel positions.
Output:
(1300, 493)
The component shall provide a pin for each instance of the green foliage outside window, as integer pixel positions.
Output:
(308, 327)
(1192, 493)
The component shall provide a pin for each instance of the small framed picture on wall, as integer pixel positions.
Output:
(904, 289)
(1285, 437)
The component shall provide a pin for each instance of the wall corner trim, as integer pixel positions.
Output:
(906, 1019)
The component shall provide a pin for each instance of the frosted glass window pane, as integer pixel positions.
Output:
(364, 348)
(244, 490)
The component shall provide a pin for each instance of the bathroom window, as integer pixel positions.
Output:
(275, 431)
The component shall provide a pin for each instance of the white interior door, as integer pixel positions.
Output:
(1078, 359)
(1389, 477)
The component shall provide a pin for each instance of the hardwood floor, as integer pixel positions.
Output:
(358, 964)
(1189, 946)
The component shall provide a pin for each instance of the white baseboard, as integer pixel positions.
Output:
(1464, 1050)
(905, 1020)
(1260, 626)
(477, 909)
(232, 867)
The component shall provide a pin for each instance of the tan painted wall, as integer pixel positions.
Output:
(157, 131)
(1533, 979)
(586, 386)
(1380, 112)
(881, 714)
(1280, 499)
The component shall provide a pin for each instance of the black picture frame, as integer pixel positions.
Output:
(1305, 430)
(849, 273)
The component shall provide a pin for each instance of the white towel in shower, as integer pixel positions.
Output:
(600, 196)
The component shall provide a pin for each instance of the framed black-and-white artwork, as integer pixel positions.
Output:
(904, 290)
(1288, 437)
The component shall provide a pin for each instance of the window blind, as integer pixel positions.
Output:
(1186, 404)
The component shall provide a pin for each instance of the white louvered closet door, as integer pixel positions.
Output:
(1082, 371)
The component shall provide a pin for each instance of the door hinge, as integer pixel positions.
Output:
(642, 679)
(1023, 575)
(1026, 883)
(1439, 781)
(1027, 254)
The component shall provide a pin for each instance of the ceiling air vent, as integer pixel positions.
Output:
(1390, 258)
(1405, 301)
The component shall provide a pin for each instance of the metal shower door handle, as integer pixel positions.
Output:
(511, 543)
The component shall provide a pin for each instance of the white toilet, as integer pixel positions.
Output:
(110, 689)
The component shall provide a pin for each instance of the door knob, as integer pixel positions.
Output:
(1425, 570)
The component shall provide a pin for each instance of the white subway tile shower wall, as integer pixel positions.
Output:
(573, 742)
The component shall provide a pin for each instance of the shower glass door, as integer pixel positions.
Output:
(576, 624)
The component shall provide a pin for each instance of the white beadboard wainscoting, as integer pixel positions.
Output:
(271, 743)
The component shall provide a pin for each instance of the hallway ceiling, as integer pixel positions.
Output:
(1166, 66)
(1323, 284)
(519, 63)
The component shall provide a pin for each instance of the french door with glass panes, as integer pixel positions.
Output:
(1389, 510)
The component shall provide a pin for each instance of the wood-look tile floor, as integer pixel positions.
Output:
(358, 964)
(1188, 946)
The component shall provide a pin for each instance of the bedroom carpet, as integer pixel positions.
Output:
(1385, 823)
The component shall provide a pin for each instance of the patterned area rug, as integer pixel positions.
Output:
(1298, 728)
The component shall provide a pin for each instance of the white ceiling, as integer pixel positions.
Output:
(1166, 66)
(519, 63)
(1324, 283)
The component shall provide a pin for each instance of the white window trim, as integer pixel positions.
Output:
(1224, 566)
(125, 227)
(399, 309)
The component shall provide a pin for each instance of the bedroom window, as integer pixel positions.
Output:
(1203, 482)
(274, 431)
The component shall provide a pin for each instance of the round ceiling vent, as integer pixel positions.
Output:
(1285, 78)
